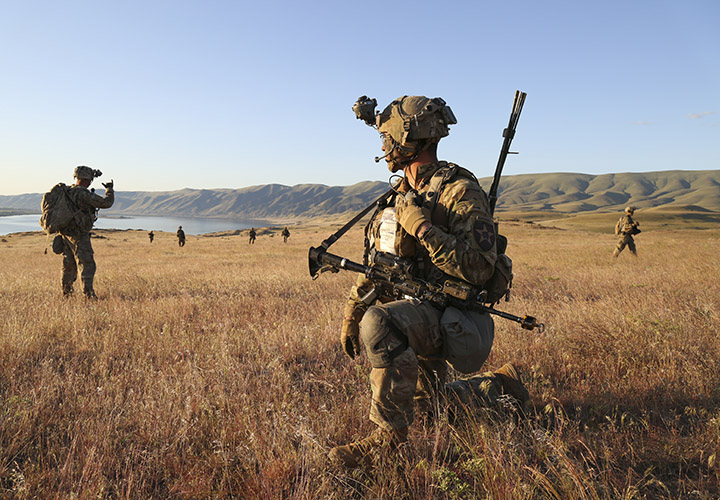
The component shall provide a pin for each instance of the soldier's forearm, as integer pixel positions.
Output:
(96, 201)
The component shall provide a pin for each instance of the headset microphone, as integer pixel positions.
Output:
(378, 158)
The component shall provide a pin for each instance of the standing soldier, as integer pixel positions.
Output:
(252, 236)
(180, 236)
(77, 248)
(151, 235)
(440, 219)
(285, 234)
(625, 229)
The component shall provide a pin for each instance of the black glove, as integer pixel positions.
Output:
(350, 337)
(108, 185)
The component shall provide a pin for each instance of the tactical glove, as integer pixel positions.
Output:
(409, 214)
(108, 185)
(350, 337)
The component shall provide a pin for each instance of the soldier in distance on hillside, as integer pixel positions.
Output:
(285, 234)
(180, 236)
(440, 219)
(151, 235)
(625, 229)
(77, 248)
(252, 235)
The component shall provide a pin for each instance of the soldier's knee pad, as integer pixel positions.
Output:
(383, 342)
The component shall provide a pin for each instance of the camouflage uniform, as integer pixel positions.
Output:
(403, 338)
(625, 228)
(285, 234)
(76, 237)
(444, 226)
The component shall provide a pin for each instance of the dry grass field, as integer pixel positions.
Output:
(215, 371)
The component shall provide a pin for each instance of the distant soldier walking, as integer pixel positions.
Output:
(252, 236)
(180, 236)
(285, 234)
(77, 249)
(151, 235)
(625, 229)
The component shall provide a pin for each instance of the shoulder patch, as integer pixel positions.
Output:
(484, 234)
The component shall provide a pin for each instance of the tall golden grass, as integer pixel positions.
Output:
(215, 371)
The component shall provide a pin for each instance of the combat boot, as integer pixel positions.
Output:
(88, 289)
(67, 291)
(353, 454)
(511, 383)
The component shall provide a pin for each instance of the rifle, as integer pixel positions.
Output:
(392, 277)
(508, 134)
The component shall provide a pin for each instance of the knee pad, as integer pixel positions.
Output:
(383, 342)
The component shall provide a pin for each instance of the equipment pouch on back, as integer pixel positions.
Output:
(467, 338)
(500, 282)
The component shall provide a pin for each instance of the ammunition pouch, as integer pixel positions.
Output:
(499, 284)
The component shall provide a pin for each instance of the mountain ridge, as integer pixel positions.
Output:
(552, 192)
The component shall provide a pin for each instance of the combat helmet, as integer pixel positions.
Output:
(408, 125)
(629, 210)
(83, 172)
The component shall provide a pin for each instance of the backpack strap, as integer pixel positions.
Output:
(440, 178)
(437, 183)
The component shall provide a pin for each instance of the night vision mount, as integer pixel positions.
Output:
(364, 109)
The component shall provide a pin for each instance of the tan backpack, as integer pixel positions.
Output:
(57, 209)
(619, 225)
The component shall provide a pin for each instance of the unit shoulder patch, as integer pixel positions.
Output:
(484, 234)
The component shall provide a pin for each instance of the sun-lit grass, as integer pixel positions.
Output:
(214, 371)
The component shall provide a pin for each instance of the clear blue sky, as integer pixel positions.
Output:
(167, 94)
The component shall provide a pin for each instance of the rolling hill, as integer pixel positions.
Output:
(535, 195)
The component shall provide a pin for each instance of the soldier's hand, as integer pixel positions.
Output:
(409, 214)
(350, 337)
(108, 185)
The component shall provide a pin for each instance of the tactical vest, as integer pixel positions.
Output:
(626, 225)
(384, 234)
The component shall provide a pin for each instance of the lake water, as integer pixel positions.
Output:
(191, 225)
